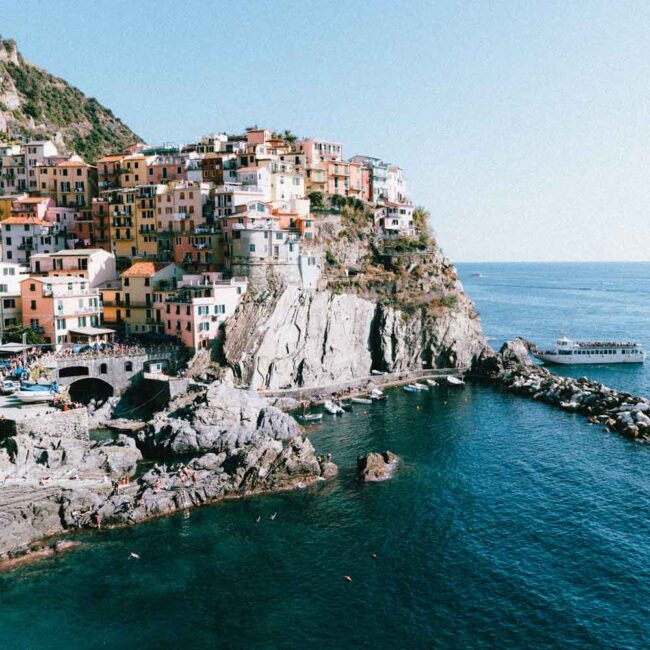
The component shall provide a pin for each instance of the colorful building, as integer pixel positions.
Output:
(193, 312)
(138, 285)
(63, 310)
(95, 265)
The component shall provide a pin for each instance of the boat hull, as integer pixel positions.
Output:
(36, 397)
(589, 359)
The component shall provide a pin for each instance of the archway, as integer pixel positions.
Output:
(84, 390)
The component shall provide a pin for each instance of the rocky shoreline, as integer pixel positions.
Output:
(212, 443)
(619, 411)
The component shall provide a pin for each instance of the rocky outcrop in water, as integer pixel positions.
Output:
(617, 410)
(212, 443)
(376, 466)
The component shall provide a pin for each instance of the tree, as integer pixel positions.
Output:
(15, 335)
(338, 201)
(316, 200)
(288, 136)
(421, 217)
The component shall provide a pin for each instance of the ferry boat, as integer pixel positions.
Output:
(589, 352)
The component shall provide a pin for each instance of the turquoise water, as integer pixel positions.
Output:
(508, 524)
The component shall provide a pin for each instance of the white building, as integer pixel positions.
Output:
(94, 264)
(36, 152)
(394, 220)
(11, 275)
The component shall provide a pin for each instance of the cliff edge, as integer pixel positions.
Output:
(379, 305)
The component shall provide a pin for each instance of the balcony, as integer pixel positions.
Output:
(26, 246)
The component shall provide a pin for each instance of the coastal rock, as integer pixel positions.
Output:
(309, 338)
(620, 411)
(376, 466)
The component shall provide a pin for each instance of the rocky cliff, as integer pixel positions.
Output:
(37, 105)
(392, 309)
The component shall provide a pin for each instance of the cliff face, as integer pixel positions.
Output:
(37, 105)
(390, 311)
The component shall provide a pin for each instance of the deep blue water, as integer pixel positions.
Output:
(509, 524)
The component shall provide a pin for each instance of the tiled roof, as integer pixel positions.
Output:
(143, 269)
(26, 220)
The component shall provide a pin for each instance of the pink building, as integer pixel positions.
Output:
(197, 250)
(63, 310)
(257, 136)
(179, 206)
(193, 313)
(318, 151)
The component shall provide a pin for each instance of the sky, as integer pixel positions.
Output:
(521, 126)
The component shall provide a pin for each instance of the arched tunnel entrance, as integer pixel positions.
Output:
(83, 390)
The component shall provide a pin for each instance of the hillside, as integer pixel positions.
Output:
(36, 104)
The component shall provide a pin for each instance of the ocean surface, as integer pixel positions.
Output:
(508, 525)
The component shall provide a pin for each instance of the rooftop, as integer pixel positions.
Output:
(144, 269)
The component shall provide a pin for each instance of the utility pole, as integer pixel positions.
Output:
(24, 349)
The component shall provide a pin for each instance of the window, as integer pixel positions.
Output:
(128, 366)
(147, 282)
(126, 282)
(251, 247)
(32, 287)
(8, 240)
(278, 235)
(9, 303)
(103, 369)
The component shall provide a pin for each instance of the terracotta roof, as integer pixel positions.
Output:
(32, 199)
(28, 219)
(144, 269)
(72, 163)
(114, 158)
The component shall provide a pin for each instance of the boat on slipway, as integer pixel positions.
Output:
(36, 393)
(569, 352)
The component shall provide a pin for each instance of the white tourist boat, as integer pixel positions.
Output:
(361, 400)
(377, 395)
(567, 352)
(312, 417)
(432, 382)
(454, 381)
(419, 386)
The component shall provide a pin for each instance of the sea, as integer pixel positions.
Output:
(508, 524)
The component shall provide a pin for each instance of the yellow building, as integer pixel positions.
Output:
(138, 285)
(145, 221)
(71, 183)
(113, 304)
(121, 219)
(134, 170)
(6, 202)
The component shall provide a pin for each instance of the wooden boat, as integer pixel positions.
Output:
(432, 382)
(421, 386)
(410, 388)
(454, 381)
(361, 400)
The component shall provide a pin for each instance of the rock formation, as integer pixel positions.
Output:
(387, 311)
(212, 443)
(619, 411)
(376, 466)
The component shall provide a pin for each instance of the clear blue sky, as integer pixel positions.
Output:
(522, 126)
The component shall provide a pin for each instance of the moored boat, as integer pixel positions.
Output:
(332, 408)
(377, 395)
(432, 382)
(311, 417)
(361, 400)
(410, 388)
(420, 386)
(454, 381)
(569, 352)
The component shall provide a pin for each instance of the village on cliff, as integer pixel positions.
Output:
(161, 243)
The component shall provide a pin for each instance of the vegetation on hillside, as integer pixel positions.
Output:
(49, 104)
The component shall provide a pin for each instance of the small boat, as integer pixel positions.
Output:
(377, 395)
(332, 408)
(454, 381)
(8, 387)
(312, 417)
(410, 388)
(346, 406)
(377, 372)
(432, 382)
(421, 386)
(361, 400)
(476, 275)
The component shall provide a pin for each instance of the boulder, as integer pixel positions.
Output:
(376, 466)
